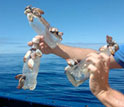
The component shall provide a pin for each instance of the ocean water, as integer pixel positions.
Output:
(53, 84)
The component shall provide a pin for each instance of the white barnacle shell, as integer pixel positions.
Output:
(103, 48)
(30, 17)
(35, 46)
(53, 30)
(27, 55)
(31, 63)
(35, 40)
(60, 33)
(35, 43)
(70, 62)
(67, 68)
(38, 53)
(33, 55)
(27, 11)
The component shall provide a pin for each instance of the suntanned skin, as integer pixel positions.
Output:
(98, 82)
(99, 67)
(68, 52)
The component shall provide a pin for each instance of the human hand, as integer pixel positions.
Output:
(99, 68)
(42, 45)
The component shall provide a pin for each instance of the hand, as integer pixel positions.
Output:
(99, 68)
(42, 45)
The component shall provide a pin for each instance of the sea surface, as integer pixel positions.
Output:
(53, 84)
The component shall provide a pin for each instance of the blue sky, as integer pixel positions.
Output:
(82, 21)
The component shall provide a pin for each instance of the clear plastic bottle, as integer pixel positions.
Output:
(79, 72)
(28, 78)
(31, 74)
(41, 29)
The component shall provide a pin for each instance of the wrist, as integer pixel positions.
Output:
(54, 50)
(61, 50)
(103, 93)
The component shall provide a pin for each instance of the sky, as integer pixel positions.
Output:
(81, 21)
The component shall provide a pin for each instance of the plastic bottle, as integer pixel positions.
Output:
(31, 74)
(28, 78)
(41, 29)
(78, 73)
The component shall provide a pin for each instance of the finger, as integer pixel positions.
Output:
(41, 37)
(46, 49)
(94, 72)
(30, 43)
(91, 68)
(93, 59)
(96, 61)
(104, 56)
(92, 55)
(41, 44)
(106, 60)
(43, 49)
(101, 56)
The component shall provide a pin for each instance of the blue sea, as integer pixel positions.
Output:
(53, 86)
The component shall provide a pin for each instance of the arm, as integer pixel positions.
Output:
(113, 63)
(98, 82)
(99, 72)
(68, 52)
(111, 98)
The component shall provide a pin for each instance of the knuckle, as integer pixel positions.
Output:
(104, 56)
(92, 68)
(97, 61)
(107, 57)
(92, 54)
